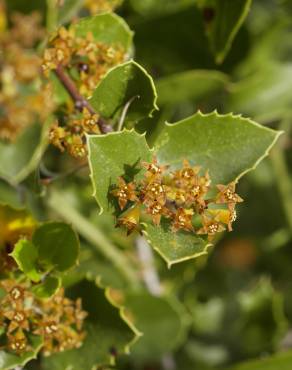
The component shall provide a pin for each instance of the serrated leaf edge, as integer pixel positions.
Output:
(88, 138)
(235, 116)
(133, 63)
(122, 313)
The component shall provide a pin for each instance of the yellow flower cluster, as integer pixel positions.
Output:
(20, 68)
(182, 196)
(90, 60)
(72, 136)
(58, 320)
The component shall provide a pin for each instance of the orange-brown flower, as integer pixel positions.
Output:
(228, 195)
(156, 211)
(130, 220)
(17, 342)
(153, 192)
(211, 226)
(183, 220)
(154, 172)
(18, 319)
(125, 192)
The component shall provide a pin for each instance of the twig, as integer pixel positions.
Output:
(80, 101)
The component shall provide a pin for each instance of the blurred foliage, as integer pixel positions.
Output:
(230, 307)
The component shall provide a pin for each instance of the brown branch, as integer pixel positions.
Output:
(79, 100)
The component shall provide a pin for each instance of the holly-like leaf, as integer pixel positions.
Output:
(223, 19)
(57, 245)
(279, 361)
(12, 361)
(113, 155)
(127, 86)
(107, 333)
(191, 85)
(226, 145)
(47, 288)
(25, 254)
(107, 28)
(161, 318)
(175, 247)
(20, 158)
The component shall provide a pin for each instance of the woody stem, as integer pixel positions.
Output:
(79, 100)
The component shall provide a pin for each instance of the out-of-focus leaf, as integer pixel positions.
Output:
(19, 159)
(226, 145)
(57, 245)
(114, 155)
(262, 321)
(11, 361)
(26, 256)
(281, 361)
(223, 18)
(162, 322)
(107, 333)
(265, 94)
(175, 247)
(125, 85)
(172, 43)
(47, 288)
(9, 195)
(108, 28)
(190, 85)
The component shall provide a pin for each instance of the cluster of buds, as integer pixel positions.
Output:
(58, 320)
(98, 6)
(86, 59)
(72, 136)
(182, 197)
(20, 68)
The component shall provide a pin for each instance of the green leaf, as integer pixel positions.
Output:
(281, 361)
(107, 28)
(19, 159)
(57, 245)
(12, 361)
(222, 29)
(226, 145)
(173, 43)
(127, 84)
(265, 94)
(114, 155)
(47, 288)
(162, 321)
(26, 256)
(107, 332)
(190, 85)
(175, 247)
